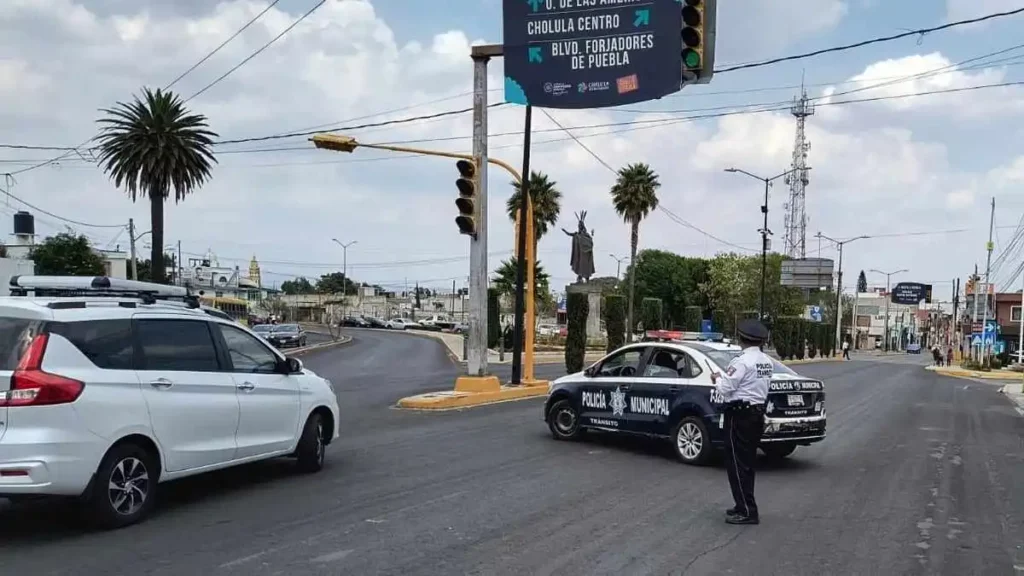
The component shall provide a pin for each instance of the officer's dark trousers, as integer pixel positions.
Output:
(743, 428)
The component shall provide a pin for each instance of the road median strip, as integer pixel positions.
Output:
(318, 346)
(975, 374)
(473, 391)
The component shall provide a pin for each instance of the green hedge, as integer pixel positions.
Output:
(691, 318)
(788, 336)
(651, 313)
(813, 339)
(720, 322)
(615, 320)
(493, 318)
(577, 309)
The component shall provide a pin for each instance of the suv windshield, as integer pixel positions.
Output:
(287, 328)
(723, 357)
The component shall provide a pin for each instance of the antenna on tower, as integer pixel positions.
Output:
(796, 214)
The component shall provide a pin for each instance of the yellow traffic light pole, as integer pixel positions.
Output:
(349, 144)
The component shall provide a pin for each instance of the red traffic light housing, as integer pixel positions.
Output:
(466, 202)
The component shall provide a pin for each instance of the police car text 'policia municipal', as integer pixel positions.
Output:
(662, 388)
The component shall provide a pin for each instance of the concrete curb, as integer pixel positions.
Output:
(453, 400)
(974, 374)
(810, 361)
(317, 347)
(1015, 392)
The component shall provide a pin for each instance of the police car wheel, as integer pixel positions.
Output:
(691, 442)
(778, 451)
(564, 421)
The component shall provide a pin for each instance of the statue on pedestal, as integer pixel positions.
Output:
(582, 259)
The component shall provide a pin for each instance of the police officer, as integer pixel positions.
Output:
(744, 391)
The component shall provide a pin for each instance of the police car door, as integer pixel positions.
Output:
(667, 379)
(603, 396)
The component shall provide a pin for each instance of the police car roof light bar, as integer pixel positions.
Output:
(67, 286)
(679, 336)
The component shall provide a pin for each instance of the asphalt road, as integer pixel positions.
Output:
(920, 474)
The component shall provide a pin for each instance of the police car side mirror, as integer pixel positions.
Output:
(589, 372)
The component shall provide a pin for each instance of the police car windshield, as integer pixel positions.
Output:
(723, 357)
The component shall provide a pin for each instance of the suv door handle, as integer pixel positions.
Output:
(247, 386)
(161, 383)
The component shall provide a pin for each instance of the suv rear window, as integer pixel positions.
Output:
(15, 336)
(107, 343)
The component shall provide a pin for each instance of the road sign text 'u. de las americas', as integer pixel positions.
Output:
(591, 53)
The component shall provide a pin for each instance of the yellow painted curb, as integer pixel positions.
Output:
(811, 361)
(477, 384)
(450, 399)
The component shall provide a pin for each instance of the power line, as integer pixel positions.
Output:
(222, 44)
(869, 42)
(257, 52)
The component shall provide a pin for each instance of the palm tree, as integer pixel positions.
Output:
(634, 196)
(151, 146)
(504, 278)
(547, 203)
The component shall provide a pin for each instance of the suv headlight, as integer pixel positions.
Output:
(329, 384)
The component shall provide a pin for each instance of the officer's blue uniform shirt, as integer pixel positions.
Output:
(746, 379)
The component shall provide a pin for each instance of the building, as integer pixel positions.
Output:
(1008, 319)
(19, 248)
(870, 326)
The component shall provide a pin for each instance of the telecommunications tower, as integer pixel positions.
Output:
(796, 216)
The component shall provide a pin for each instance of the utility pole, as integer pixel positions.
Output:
(131, 236)
(765, 232)
(954, 332)
(344, 273)
(839, 285)
(986, 350)
(1020, 330)
(520, 305)
(888, 299)
(974, 317)
(180, 269)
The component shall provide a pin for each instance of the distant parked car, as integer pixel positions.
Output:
(401, 324)
(375, 322)
(461, 328)
(287, 335)
(354, 322)
(547, 330)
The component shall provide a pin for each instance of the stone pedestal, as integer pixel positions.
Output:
(593, 292)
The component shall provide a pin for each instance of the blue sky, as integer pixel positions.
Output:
(925, 163)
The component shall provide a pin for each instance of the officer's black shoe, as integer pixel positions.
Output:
(741, 520)
(731, 511)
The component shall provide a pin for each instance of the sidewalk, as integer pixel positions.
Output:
(958, 372)
(1015, 392)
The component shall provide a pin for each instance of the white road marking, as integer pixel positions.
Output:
(244, 559)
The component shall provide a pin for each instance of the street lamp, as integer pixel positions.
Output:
(618, 264)
(765, 232)
(344, 272)
(888, 298)
(839, 283)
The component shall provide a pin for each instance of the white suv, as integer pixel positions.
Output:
(108, 387)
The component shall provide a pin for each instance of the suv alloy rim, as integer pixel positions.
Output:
(689, 440)
(320, 442)
(128, 486)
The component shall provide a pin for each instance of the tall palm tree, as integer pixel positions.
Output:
(504, 278)
(634, 196)
(151, 146)
(547, 203)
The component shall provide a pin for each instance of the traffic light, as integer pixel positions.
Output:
(698, 40)
(466, 202)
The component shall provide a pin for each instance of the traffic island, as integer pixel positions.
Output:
(473, 391)
(957, 372)
(343, 340)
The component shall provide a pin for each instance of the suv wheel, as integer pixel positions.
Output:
(124, 488)
(564, 421)
(312, 445)
(691, 442)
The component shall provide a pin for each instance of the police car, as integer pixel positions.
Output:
(662, 388)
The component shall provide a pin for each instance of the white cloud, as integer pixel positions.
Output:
(966, 9)
(872, 171)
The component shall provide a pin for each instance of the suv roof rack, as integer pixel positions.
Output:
(101, 286)
(680, 336)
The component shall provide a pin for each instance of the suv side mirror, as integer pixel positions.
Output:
(294, 365)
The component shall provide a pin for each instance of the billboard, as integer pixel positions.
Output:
(810, 273)
(911, 293)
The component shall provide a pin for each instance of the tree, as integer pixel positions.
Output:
(151, 146)
(299, 285)
(634, 196)
(66, 254)
(651, 313)
(615, 320)
(546, 200)
(733, 285)
(692, 319)
(145, 268)
(504, 279)
(577, 308)
(493, 317)
(675, 280)
(335, 283)
(862, 283)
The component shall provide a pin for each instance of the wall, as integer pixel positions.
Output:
(14, 267)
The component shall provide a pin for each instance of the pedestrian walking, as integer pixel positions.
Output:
(949, 356)
(744, 390)
(846, 349)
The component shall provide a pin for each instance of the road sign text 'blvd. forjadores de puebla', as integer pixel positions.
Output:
(597, 53)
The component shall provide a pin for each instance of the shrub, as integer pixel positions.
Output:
(650, 313)
(996, 363)
(691, 318)
(615, 320)
(493, 318)
(577, 309)
(812, 329)
(801, 338)
(719, 321)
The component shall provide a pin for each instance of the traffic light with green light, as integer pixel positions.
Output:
(466, 202)
(698, 40)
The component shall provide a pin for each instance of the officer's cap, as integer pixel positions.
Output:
(752, 330)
